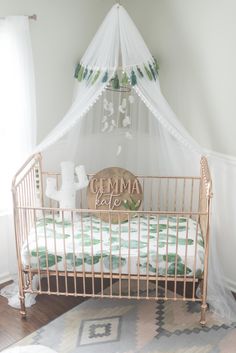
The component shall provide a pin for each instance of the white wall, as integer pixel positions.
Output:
(194, 41)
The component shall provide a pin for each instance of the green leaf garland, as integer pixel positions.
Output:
(149, 69)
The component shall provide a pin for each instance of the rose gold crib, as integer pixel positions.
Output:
(163, 196)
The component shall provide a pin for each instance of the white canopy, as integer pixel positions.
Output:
(149, 140)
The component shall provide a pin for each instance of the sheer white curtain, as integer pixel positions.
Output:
(17, 101)
(17, 124)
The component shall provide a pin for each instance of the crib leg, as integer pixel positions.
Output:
(204, 303)
(22, 306)
(203, 314)
(22, 295)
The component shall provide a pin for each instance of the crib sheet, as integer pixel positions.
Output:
(146, 257)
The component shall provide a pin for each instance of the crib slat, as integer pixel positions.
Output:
(111, 262)
(186, 260)
(176, 254)
(157, 254)
(37, 251)
(167, 241)
(195, 259)
(91, 227)
(129, 262)
(83, 262)
(120, 262)
(46, 251)
(74, 256)
(64, 250)
(101, 242)
(55, 250)
(148, 249)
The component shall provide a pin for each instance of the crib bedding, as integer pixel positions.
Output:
(101, 249)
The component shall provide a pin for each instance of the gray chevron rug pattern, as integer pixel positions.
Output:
(131, 326)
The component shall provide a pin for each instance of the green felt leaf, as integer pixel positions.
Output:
(171, 257)
(125, 204)
(95, 77)
(90, 74)
(85, 73)
(133, 78)
(140, 72)
(152, 71)
(156, 66)
(77, 71)
(114, 262)
(124, 79)
(80, 74)
(115, 82)
(149, 74)
(105, 77)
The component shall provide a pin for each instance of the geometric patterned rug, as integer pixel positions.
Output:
(135, 326)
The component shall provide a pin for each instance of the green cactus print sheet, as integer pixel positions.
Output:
(123, 248)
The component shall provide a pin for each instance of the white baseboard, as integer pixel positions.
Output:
(5, 277)
(231, 284)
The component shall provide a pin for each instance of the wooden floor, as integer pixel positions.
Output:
(48, 307)
(13, 328)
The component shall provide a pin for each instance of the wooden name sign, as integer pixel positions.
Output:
(114, 189)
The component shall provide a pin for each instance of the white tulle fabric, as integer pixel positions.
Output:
(159, 144)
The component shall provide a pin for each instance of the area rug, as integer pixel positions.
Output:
(131, 326)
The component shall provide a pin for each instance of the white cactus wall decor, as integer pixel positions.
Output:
(66, 196)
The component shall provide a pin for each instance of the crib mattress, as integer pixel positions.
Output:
(126, 254)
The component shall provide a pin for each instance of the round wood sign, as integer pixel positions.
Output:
(114, 189)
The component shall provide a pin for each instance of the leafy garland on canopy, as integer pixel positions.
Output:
(149, 70)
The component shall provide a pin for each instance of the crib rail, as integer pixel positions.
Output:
(161, 193)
